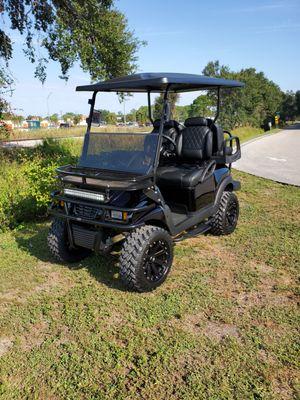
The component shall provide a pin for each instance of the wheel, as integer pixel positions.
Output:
(146, 258)
(225, 219)
(58, 243)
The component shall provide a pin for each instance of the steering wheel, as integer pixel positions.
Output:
(168, 152)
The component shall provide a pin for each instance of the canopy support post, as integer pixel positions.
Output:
(164, 116)
(218, 104)
(149, 107)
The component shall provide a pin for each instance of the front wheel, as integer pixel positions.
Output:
(224, 221)
(58, 243)
(146, 258)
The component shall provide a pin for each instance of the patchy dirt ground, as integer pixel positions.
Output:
(223, 326)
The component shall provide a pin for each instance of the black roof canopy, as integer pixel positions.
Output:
(158, 82)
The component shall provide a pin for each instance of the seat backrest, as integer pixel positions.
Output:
(218, 137)
(195, 141)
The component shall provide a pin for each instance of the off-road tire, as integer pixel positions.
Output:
(135, 251)
(220, 223)
(58, 244)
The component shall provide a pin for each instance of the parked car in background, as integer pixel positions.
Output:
(64, 125)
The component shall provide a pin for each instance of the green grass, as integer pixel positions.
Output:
(70, 132)
(223, 326)
(248, 132)
(244, 133)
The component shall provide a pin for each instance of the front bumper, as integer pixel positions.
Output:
(102, 220)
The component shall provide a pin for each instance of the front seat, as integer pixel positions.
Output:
(194, 149)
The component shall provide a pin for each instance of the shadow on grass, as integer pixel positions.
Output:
(104, 268)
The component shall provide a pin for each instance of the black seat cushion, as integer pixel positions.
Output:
(195, 141)
(180, 176)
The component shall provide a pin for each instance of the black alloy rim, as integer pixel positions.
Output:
(156, 261)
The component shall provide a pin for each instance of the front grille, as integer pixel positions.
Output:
(86, 211)
(84, 237)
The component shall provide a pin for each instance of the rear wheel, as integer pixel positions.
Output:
(146, 258)
(59, 246)
(225, 219)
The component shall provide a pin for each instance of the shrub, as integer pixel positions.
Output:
(27, 176)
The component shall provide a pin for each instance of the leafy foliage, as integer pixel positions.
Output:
(142, 114)
(27, 178)
(201, 106)
(173, 99)
(290, 107)
(258, 101)
(91, 32)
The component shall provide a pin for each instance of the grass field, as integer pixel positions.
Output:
(223, 326)
(244, 133)
(70, 132)
(248, 132)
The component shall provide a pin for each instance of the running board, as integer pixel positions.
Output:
(199, 230)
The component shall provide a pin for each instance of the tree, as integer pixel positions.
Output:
(77, 119)
(131, 117)
(181, 113)
(34, 117)
(17, 119)
(5, 83)
(142, 114)
(111, 118)
(54, 118)
(103, 115)
(91, 32)
(289, 109)
(68, 116)
(297, 100)
(158, 104)
(201, 106)
(258, 101)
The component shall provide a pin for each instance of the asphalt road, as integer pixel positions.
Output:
(275, 156)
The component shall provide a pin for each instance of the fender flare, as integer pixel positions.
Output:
(235, 185)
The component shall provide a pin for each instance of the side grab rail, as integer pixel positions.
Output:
(209, 170)
(232, 140)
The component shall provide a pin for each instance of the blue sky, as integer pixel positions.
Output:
(182, 36)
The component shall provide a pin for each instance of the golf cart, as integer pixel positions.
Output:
(147, 190)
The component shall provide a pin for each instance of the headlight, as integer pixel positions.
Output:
(121, 215)
(84, 195)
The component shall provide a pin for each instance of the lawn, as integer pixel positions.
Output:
(75, 131)
(248, 132)
(223, 326)
(244, 133)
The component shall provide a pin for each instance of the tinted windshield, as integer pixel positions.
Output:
(127, 152)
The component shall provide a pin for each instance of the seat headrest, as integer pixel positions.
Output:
(196, 121)
(168, 124)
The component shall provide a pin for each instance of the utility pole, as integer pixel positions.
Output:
(48, 104)
(124, 113)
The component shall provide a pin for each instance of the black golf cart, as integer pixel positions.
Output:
(147, 190)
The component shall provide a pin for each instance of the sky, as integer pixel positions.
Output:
(182, 36)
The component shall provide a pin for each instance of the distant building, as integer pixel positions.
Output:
(8, 124)
(33, 124)
(44, 123)
(82, 121)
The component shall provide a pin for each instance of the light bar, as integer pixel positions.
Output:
(84, 195)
